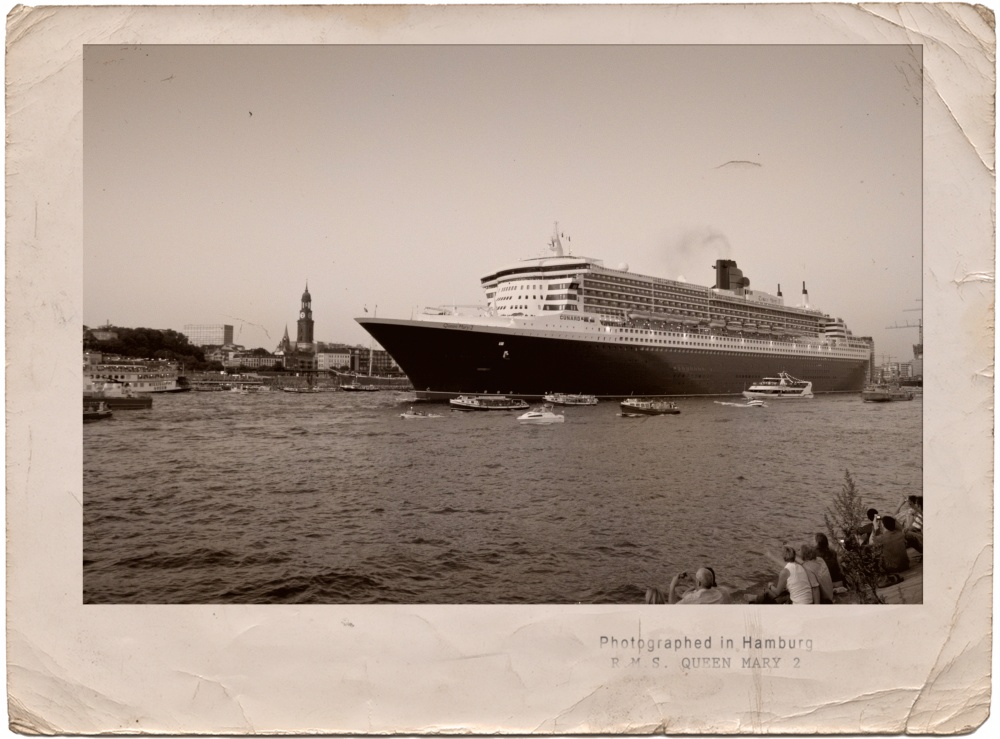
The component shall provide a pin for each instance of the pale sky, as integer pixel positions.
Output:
(219, 179)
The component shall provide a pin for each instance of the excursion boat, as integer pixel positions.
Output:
(885, 393)
(418, 414)
(782, 386)
(115, 395)
(139, 376)
(563, 320)
(543, 415)
(570, 399)
(632, 407)
(96, 412)
(487, 403)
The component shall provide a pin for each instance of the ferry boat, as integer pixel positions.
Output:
(782, 386)
(570, 399)
(571, 321)
(137, 376)
(632, 407)
(487, 403)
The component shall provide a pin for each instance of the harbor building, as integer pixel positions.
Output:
(333, 360)
(205, 334)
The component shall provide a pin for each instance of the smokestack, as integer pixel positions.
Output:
(779, 289)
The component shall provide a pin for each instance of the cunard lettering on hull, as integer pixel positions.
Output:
(569, 324)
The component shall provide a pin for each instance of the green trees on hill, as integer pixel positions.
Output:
(148, 343)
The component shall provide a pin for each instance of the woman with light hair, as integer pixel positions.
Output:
(795, 583)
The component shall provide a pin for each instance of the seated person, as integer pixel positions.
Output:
(818, 568)
(864, 534)
(795, 583)
(704, 591)
(830, 557)
(893, 543)
(913, 526)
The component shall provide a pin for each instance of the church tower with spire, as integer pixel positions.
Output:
(285, 347)
(304, 340)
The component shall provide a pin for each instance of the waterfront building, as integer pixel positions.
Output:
(205, 334)
(251, 360)
(300, 362)
(367, 361)
(333, 360)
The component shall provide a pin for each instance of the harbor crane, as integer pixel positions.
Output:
(918, 348)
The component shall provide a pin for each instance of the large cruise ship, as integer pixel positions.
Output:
(564, 323)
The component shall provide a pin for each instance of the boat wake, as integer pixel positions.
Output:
(749, 404)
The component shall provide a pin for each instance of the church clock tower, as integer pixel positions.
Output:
(304, 340)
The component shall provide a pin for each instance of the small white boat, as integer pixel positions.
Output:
(541, 415)
(782, 386)
(418, 414)
(570, 399)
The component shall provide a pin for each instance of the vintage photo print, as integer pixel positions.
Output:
(432, 354)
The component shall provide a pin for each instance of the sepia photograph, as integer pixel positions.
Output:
(341, 354)
(431, 355)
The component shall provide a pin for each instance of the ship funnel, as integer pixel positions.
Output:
(805, 295)
(728, 276)
(779, 289)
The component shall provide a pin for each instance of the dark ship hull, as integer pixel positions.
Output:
(444, 360)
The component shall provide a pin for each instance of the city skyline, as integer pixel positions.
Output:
(396, 177)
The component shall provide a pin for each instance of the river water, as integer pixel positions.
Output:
(334, 498)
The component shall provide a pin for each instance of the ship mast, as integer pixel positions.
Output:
(555, 243)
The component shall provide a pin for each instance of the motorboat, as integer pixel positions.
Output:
(632, 407)
(570, 399)
(782, 386)
(541, 415)
(487, 403)
(95, 412)
(751, 403)
(418, 414)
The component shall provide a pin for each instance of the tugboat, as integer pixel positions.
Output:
(885, 393)
(95, 412)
